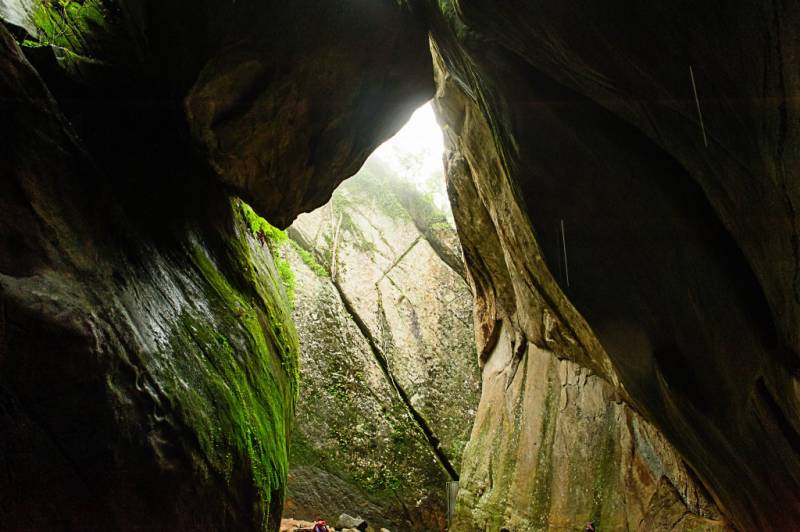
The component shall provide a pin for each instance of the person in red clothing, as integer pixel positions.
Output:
(320, 525)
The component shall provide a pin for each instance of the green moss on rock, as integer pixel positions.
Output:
(268, 234)
(541, 496)
(309, 260)
(70, 24)
(238, 391)
(89, 38)
(260, 228)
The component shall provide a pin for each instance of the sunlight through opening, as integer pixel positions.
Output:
(415, 154)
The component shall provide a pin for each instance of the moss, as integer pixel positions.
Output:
(489, 509)
(274, 238)
(287, 276)
(343, 206)
(309, 260)
(243, 383)
(605, 470)
(261, 275)
(260, 228)
(70, 24)
(440, 225)
(29, 43)
(248, 419)
(354, 427)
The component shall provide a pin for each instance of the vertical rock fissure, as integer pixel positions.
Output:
(383, 363)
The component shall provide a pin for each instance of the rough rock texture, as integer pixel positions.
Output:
(147, 373)
(284, 101)
(285, 115)
(667, 511)
(681, 257)
(626, 182)
(352, 420)
(147, 358)
(354, 445)
(553, 446)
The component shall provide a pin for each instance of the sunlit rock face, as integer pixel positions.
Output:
(674, 278)
(357, 448)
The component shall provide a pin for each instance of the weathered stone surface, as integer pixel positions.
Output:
(284, 101)
(354, 442)
(146, 350)
(285, 115)
(552, 449)
(681, 257)
(553, 445)
(351, 419)
(147, 372)
(681, 291)
(667, 511)
(348, 521)
(313, 490)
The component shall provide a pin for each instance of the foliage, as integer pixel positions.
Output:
(262, 229)
(274, 238)
(443, 225)
(287, 276)
(68, 24)
(309, 260)
(242, 376)
(404, 199)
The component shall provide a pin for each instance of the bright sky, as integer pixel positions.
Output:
(415, 152)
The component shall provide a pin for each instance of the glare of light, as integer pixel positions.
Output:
(415, 153)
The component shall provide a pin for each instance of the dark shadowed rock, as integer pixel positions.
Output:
(147, 360)
(295, 105)
(624, 180)
(285, 102)
(147, 372)
(679, 251)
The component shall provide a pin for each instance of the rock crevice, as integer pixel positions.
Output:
(399, 314)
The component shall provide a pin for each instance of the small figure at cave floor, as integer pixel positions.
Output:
(320, 525)
(590, 527)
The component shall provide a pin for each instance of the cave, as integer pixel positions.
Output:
(623, 184)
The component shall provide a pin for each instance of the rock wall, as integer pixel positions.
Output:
(148, 373)
(655, 246)
(390, 379)
(148, 361)
(283, 102)
(554, 444)
(624, 187)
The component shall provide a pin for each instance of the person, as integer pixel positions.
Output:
(320, 525)
(590, 527)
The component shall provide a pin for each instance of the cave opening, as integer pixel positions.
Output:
(389, 378)
(621, 180)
